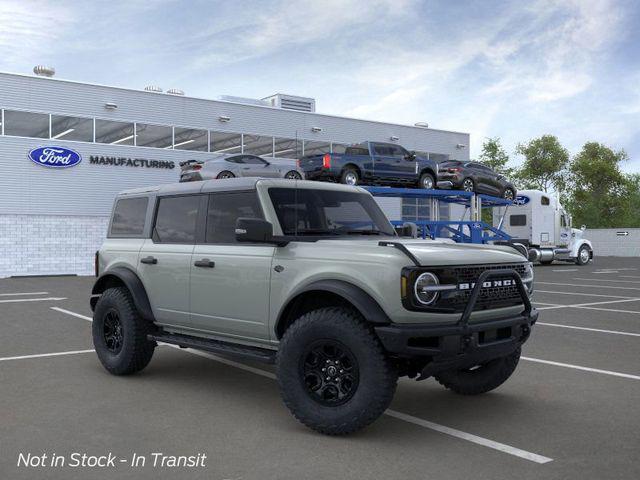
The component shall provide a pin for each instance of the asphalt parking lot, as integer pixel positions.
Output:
(571, 410)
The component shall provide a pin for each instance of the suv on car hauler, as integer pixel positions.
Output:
(312, 277)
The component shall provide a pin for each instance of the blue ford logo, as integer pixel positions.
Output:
(55, 157)
(521, 200)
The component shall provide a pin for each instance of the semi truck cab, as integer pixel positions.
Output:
(539, 221)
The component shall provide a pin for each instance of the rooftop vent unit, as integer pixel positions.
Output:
(244, 100)
(43, 71)
(175, 91)
(291, 102)
(153, 88)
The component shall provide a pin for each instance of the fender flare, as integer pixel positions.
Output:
(133, 283)
(361, 300)
(580, 243)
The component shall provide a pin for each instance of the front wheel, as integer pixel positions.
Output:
(480, 378)
(508, 194)
(120, 334)
(333, 374)
(427, 181)
(584, 255)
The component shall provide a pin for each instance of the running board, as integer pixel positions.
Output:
(263, 355)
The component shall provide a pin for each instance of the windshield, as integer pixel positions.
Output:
(328, 212)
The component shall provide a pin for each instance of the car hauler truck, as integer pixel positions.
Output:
(537, 220)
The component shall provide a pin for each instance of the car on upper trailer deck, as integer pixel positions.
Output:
(474, 177)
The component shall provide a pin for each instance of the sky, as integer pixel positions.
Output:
(509, 69)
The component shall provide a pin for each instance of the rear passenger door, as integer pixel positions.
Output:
(164, 263)
(230, 280)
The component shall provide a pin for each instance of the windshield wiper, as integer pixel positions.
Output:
(365, 232)
(317, 231)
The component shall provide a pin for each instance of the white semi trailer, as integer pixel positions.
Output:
(537, 220)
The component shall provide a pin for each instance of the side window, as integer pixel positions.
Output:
(224, 209)
(381, 149)
(253, 160)
(544, 201)
(238, 159)
(398, 151)
(517, 220)
(128, 216)
(176, 219)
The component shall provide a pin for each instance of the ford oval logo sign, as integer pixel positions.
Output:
(521, 200)
(55, 157)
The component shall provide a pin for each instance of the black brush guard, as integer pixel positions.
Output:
(462, 344)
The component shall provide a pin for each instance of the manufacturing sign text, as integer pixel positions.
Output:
(130, 162)
(55, 157)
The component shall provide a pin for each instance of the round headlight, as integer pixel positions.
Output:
(423, 294)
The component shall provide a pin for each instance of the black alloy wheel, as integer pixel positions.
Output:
(225, 174)
(112, 331)
(467, 185)
(330, 372)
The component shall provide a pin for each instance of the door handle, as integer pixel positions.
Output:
(204, 263)
(149, 260)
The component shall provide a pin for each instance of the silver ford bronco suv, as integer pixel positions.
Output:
(313, 278)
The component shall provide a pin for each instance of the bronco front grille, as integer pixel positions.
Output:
(495, 296)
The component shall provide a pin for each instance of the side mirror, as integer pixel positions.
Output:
(583, 228)
(254, 230)
(408, 229)
(410, 156)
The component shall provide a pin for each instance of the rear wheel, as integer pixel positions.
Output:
(225, 174)
(120, 334)
(427, 181)
(584, 255)
(332, 372)
(293, 175)
(480, 378)
(468, 185)
(350, 176)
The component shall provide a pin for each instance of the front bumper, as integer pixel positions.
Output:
(462, 344)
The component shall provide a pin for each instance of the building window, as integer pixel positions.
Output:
(190, 139)
(316, 148)
(26, 124)
(115, 133)
(226, 142)
(71, 128)
(287, 148)
(176, 219)
(157, 136)
(257, 145)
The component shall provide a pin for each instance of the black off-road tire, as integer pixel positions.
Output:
(481, 380)
(135, 351)
(376, 382)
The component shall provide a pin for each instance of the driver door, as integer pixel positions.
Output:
(254, 166)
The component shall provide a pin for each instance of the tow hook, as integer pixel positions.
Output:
(525, 332)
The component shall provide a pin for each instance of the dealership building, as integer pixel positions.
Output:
(52, 220)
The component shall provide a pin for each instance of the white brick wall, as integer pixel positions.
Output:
(49, 244)
(612, 242)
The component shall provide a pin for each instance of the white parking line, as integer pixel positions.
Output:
(589, 305)
(598, 330)
(42, 355)
(73, 314)
(635, 312)
(566, 270)
(533, 457)
(47, 299)
(629, 276)
(27, 293)
(579, 367)
(589, 286)
(581, 294)
(606, 280)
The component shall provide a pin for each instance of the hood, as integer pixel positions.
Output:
(437, 252)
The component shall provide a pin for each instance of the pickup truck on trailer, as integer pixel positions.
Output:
(372, 163)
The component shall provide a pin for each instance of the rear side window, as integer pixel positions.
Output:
(544, 201)
(357, 151)
(176, 219)
(518, 220)
(224, 209)
(128, 216)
